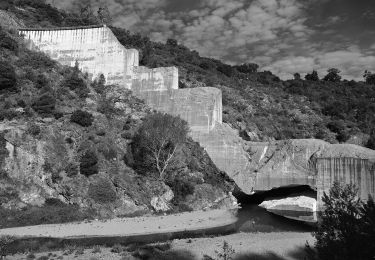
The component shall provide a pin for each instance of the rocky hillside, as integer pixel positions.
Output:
(66, 143)
(260, 105)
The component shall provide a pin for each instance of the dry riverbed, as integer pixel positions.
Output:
(119, 227)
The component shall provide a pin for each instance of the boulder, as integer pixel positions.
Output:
(300, 208)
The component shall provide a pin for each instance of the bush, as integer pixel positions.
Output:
(33, 129)
(47, 214)
(8, 78)
(371, 141)
(45, 104)
(347, 227)
(102, 191)
(158, 142)
(89, 164)
(181, 188)
(36, 60)
(77, 84)
(7, 42)
(82, 118)
(227, 70)
(313, 76)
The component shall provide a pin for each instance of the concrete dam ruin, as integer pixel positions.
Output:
(253, 166)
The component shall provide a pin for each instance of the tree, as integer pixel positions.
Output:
(158, 142)
(104, 15)
(247, 68)
(297, 76)
(346, 225)
(371, 141)
(369, 77)
(172, 42)
(313, 76)
(333, 75)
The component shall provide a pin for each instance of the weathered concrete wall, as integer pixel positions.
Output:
(360, 172)
(158, 79)
(200, 107)
(96, 49)
(226, 150)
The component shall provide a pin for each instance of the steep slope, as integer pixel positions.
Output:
(65, 147)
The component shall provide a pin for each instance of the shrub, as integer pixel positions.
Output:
(102, 191)
(346, 225)
(36, 60)
(227, 70)
(158, 142)
(89, 164)
(71, 170)
(117, 248)
(8, 78)
(371, 141)
(82, 118)
(181, 188)
(313, 76)
(33, 129)
(5, 241)
(333, 75)
(77, 84)
(8, 114)
(247, 68)
(96, 249)
(226, 253)
(45, 104)
(47, 214)
(7, 42)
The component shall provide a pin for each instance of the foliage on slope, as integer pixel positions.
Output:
(258, 104)
(65, 147)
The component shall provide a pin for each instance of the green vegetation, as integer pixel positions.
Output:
(347, 227)
(50, 213)
(258, 104)
(89, 163)
(82, 118)
(8, 79)
(158, 143)
(102, 191)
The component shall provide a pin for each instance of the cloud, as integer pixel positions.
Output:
(281, 35)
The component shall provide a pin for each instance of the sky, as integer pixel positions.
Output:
(283, 36)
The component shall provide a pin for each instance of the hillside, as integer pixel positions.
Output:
(260, 105)
(67, 144)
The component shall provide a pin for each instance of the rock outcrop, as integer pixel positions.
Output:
(300, 208)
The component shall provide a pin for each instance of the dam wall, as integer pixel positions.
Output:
(346, 170)
(97, 51)
(157, 79)
(200, 107)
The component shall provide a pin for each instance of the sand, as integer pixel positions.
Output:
(119, 227)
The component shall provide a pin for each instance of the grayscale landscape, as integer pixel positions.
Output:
(176, 129)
